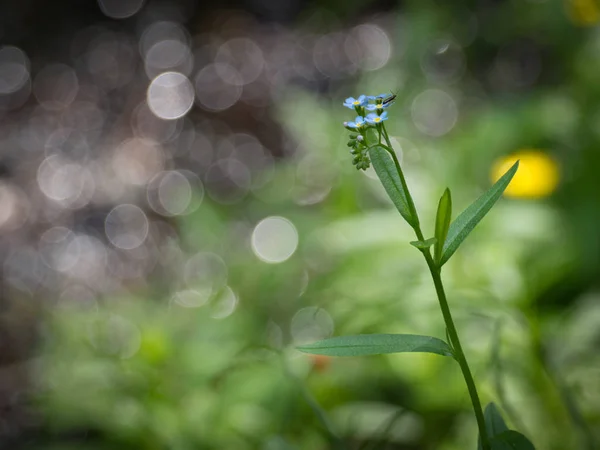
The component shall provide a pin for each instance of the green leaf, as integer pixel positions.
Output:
(442, 223)
(372, 136)
(501, 438)
(423, 245)
(388, 175)
(377, 344)
(511, 440)
(494, 423)
(470, 217)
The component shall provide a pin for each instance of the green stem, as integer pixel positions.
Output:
(459, 354)
(435, 270)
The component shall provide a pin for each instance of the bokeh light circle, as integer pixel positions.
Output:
(14, 206)
(120, 9)
(311, 324)
(14, 69)
(244, 55)
(434, 112)
(274, 239)
(373, 48)
(224, 303)
(60, 179)
(168, 54)
(228, 181)
(59, 249)
(126, 226)
(205, 273)
(170, 95)
(146, 124)
(190, 298)
(56, 86)
(136, 161)
(173, 192)
(218, 86)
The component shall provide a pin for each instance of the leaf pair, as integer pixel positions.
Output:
(448, 237)
(470, 217)
(501, 438)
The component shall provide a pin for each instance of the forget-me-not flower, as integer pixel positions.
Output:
(374, 119)
(375, 97)
(359, 122)
(378, 106)
(352, 102)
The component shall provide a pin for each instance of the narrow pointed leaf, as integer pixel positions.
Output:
(442, 223)
(511, 440)
(470, 217)
(494, 423)
(388, 175)
(423, 245)
(377, 344)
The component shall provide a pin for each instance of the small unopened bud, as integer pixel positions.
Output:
(360, 138)
(348, 127)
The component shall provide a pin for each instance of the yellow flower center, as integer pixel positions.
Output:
(356, 102)
(376, 119)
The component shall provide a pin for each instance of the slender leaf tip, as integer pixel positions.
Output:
(462, 226)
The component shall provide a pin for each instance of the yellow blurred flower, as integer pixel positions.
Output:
(537, 177)
(583, 12)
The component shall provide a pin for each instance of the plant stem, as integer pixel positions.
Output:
(459, 354)
(435, 270)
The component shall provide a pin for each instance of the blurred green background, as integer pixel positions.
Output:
(178, 210)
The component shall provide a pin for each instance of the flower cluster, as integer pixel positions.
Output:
(364, 121)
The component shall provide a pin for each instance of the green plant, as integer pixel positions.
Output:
(370, 144)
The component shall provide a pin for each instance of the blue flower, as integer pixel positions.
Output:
(374, 97)
(359, 122)
(374, 119)
(352, 102)
(378, 106)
